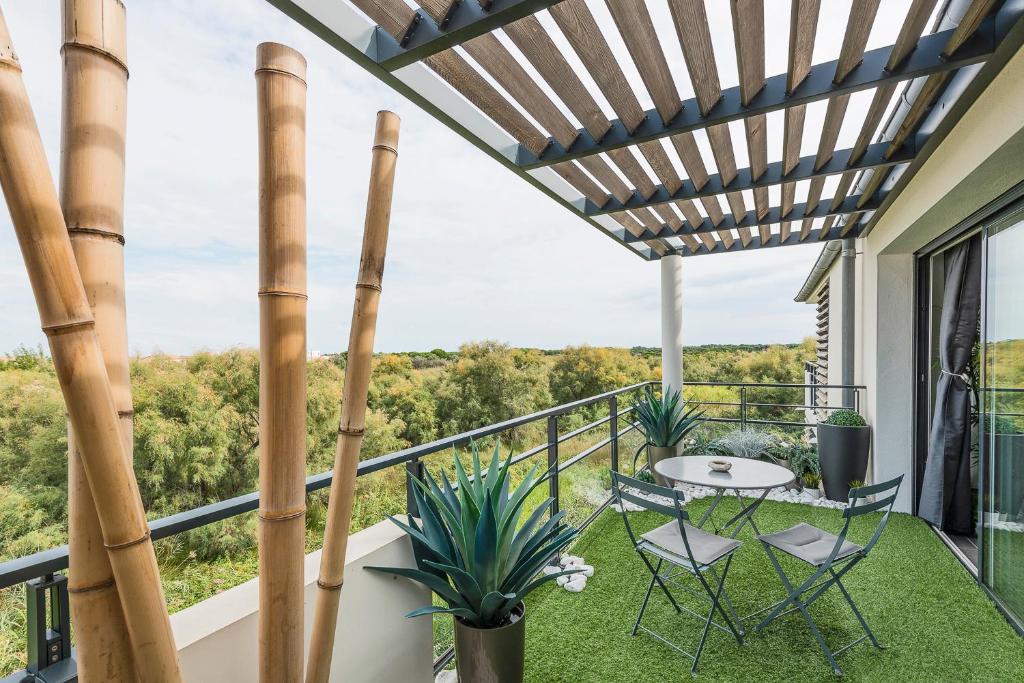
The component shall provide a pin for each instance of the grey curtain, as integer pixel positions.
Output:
(946, 490)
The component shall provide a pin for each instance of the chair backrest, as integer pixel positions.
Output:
(885, 497)
(627, 489)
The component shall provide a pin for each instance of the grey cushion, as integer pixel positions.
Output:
(706, 547)
(808, 543)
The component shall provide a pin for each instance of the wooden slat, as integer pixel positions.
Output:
(906, 41)
(632, 169)
(691, 23)
(533, 41)
(813, 197)
(934, 85)
(577, 24)
(876, 110)
(690, 241)
(748, 29)
(803, 25)
(637, 30)
(972, 19)
(540, 50)
(496, 60)
(858, 29)
(394, 16)
(606, 176)
(657, 157)
(437, 9)
(636, 228)
(536, 45)
(910, 32)
(579, 27)
(578, 179)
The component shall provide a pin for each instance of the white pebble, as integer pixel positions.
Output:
(551, 569)
(570, 559)
(587, 570)
(577, 584)
(562, 580)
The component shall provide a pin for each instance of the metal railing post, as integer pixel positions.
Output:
(413, 469)
(743, 408)
(613, 415)
(49, 639)
(553, 463)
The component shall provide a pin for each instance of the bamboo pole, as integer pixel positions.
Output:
(353, 404)
(67, 320)
(92, 198)
(281, 104)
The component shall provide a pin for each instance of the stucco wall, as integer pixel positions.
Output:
(977, 162)
(375, 642)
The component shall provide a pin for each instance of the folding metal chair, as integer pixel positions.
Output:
(828, 554)
(678, 544)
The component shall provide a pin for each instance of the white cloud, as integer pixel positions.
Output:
(475, 252)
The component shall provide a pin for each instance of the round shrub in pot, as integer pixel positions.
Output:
(844, 441)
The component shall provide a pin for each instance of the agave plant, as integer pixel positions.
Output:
(470, 547)
(665, 420)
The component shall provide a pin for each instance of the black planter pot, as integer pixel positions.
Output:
(492, 655)
(843, 452)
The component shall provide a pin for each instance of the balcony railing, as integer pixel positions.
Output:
(48, 641)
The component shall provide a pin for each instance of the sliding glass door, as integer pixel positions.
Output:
(1002, 412)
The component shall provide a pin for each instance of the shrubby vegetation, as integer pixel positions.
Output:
(197, 437)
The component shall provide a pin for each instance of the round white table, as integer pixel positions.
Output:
(745, 474)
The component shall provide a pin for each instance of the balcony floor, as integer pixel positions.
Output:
(922, 604)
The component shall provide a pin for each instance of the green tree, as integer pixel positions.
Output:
(489, 383)
(583, 371)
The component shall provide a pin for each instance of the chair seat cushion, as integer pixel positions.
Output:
(808, 543)
(706, 547)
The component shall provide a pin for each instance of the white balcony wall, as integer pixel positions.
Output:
(217, 638)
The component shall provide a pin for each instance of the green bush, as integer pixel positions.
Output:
(845, 417)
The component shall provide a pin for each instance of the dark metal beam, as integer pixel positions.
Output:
(750, 220)
(925, 59)
(839, 163)
(814, 237)
(465, 20)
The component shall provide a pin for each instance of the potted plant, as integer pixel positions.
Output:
(665, 422)
(803, 460)
(745, 443)
(859, 500)
(811, 482)
(478, 550)
(844, 441)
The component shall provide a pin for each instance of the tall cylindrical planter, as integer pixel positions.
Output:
(843, 452)
(656, 454)
(492, 655)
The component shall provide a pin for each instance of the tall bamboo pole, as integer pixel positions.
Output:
(281, 105)
(67, 320)
(353, 404)
(92, 197)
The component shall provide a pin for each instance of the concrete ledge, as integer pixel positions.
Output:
(217, 638)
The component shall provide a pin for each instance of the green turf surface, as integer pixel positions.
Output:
(936, 623)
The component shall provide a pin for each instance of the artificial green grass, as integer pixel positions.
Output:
(935, 622)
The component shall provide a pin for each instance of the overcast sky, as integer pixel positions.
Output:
(474, 252)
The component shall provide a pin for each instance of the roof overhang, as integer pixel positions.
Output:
(495, 74)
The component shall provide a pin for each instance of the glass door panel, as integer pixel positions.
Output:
(1002, 399)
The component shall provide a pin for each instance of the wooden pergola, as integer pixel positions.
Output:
(448, 56)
